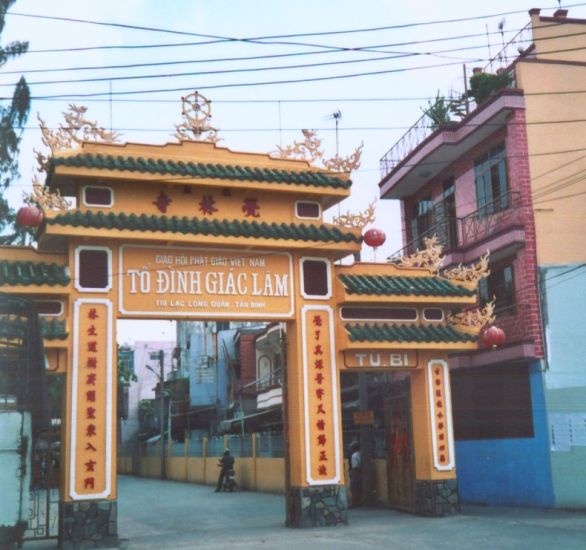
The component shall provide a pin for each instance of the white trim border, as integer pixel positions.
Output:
(74, 382)
(302, 280)
(448, 414)
(84, 290)
(335, 397)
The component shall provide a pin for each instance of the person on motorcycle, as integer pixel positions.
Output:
(226, 464)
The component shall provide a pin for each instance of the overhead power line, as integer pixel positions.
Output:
(263, 69)
(366, 49)
(326, 129)
(276, 36)
(285, 100)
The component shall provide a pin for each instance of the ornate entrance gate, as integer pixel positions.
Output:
(195, 231)
(399, 435)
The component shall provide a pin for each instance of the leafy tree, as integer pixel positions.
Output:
(12, 119)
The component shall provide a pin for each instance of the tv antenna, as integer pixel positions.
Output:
(501, 28)
(337, 116)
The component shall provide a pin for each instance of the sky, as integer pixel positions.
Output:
(415, 49)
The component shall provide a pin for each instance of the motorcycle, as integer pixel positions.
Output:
(229, 481)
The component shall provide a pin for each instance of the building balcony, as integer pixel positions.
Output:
(425, 142)
(422, 152)
(497, 226)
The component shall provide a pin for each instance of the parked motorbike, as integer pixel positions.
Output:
(229, 481)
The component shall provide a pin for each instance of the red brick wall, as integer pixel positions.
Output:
(525, 262)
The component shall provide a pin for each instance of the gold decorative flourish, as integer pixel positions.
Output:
(474, 318)
(430, 257)
(74, 130)
(310, 150)
(44, 198)
(470, 274)
(359, 220)
(345, 164)
(197, 113)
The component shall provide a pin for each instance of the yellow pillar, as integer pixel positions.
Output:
(436, 487)
(316, 494)
(88, 460)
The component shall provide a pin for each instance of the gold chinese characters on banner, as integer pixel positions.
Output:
(441, 416)
(321, 397)
(91, 400)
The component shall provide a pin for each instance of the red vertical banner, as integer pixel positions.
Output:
(441, 415)
(91, 400)
(322, 417)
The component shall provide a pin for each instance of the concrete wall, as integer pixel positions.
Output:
(564, 306)
(556, 157)
(511, 472)
(265, 475)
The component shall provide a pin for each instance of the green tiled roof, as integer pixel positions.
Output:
(370, 332)
(384, 285)
(199, 169)
(197, 226)
(53, 329)
(32, 273)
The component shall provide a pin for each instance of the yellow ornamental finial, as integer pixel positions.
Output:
(73, 131)
(474, 319)
(310, 150)
(360, 220)
(470, 274)
(44, 198)
(197, 113)
(430, 257)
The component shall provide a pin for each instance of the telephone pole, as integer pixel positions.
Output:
(162, 414)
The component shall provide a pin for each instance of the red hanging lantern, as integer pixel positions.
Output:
(29, 216)
(375, 237)
(493, 336)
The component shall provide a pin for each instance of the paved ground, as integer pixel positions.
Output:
(155, 515)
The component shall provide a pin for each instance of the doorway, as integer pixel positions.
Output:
(399, 437)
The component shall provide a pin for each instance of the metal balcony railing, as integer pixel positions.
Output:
(453, 233)
(423, 126)
(446, 231)
(406, 143)
(502, 212)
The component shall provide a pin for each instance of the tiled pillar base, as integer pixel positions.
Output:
(436, 498)
(317, 506)
(88, 524)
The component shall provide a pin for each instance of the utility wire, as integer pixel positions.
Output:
(325, 129)
(245, 84)
(276, 36)
(363, 49)
(189, 44)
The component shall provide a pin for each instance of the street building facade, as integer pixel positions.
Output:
(507, 179)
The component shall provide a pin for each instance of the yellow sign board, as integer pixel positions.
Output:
(365, 418)
(378, 359)
(188, 282)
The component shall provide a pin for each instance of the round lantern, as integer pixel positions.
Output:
(29, 216)
(375, 237)
(493, 336)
